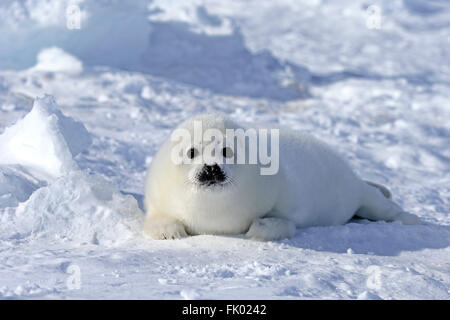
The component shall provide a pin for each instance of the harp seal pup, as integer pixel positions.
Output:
(312, 187)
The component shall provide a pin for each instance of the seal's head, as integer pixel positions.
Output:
(197, 177)
(201, 153)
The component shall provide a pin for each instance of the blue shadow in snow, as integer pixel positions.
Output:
(377, 238)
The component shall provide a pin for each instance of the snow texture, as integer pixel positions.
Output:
(72, 173)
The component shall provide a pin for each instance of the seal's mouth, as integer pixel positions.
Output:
(213, 183)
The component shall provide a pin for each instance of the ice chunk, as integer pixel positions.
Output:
(55, 59)
(78, 207)
(44, 141)
(16, 185)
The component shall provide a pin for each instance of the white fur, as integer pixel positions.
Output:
(314, 187)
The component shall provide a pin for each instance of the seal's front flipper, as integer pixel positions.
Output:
(267, 229)
(163, 228)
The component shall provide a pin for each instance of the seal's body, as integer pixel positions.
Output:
(312, 187)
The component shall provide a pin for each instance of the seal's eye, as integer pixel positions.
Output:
(227, 152)
(192, 153)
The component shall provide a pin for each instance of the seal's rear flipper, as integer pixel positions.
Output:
(376, 204)
(408, 218)
(385, 191)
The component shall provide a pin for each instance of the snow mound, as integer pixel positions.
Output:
(78, 207)
(55, 59)
(44, 194)
(44, 141)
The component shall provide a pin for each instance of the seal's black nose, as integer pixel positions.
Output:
(210, 175)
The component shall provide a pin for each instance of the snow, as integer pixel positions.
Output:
(78, 208)
(56, 60)
(44, 141)
(72, 171)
